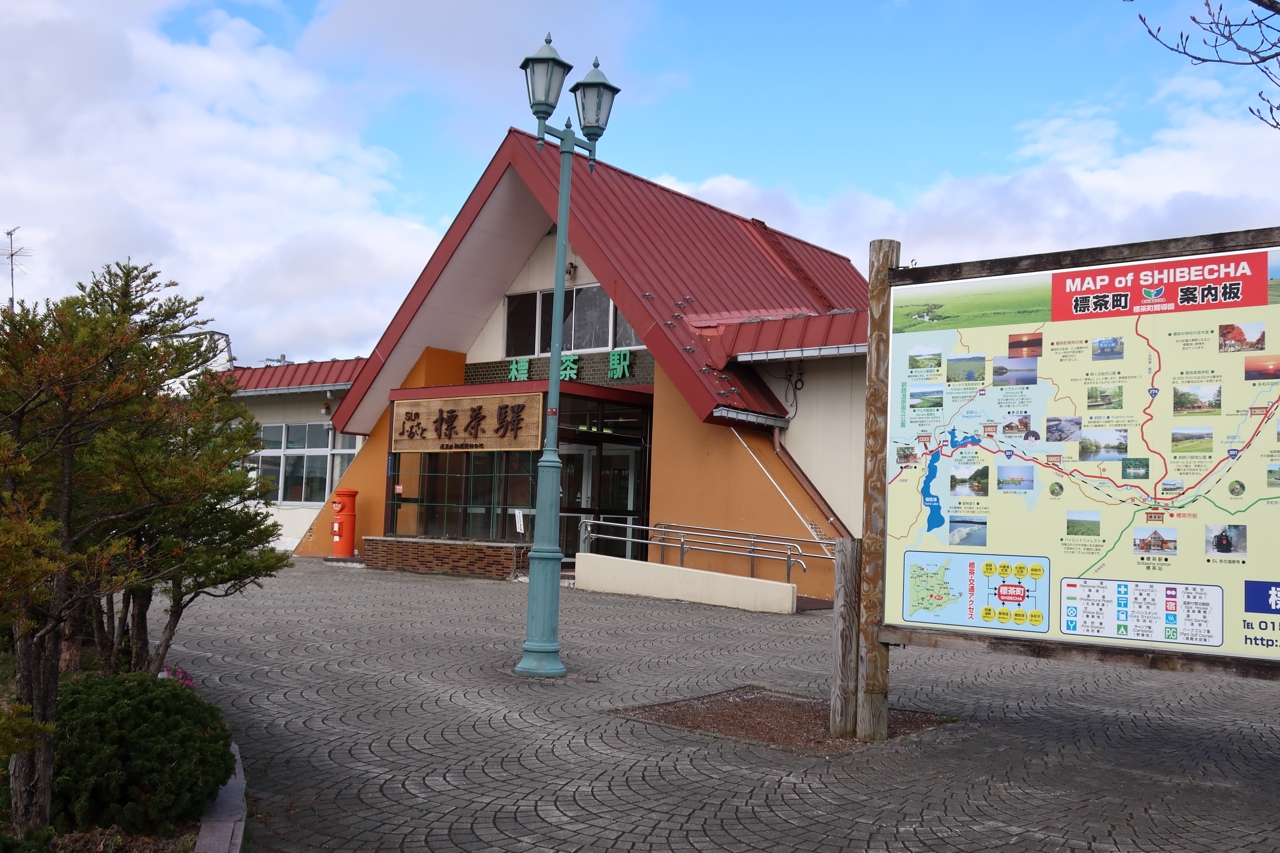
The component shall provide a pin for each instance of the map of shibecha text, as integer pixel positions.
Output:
(965, 590)
(1114, 424)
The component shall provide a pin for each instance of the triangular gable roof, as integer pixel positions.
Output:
(666, 259)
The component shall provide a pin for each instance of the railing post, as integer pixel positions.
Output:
(751, 549)
(788, 564)
(682, 550)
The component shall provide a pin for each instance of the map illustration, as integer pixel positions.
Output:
(995, 591)
(1118, 424)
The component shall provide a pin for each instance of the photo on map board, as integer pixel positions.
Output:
(1273, 277)
(1084, 522)
(1013, 371)
(1155, 540)
(907, 454)
(968, 530)
(1172, 488)
(1015, 478)
(970, 304)
(1135, 469)
(1192, 440)
(926, 396)
(924, 357)
(1273, 476)
(1015, 423)
(1062, 429)
(1226, 540)
(1107, 349)
(1030, 345)
(970, 481)
(1104, 445)
(1235, 488)
(1197, 401)
(1055, 489)
(1261, 368)
(967, 368)
(1242, 337)
(1104, 397)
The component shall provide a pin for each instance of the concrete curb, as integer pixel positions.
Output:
(222, 826)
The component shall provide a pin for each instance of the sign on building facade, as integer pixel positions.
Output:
(504, 422)
(1090, 455)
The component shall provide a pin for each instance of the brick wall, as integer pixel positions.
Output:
(593, 369)
(494, 560)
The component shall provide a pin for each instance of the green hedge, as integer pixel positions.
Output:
(137, 752)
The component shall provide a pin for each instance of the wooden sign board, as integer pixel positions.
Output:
(502, 422)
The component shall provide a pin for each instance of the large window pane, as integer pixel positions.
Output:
(544, 330)
(272, 436)
(623, 335)
(344, 442)
(269, 473)
(317, 436)
(296, 436)
(621, 419)
(294, 478)
(314, 490)
(522, 324)
(341, 462)
(590, 318)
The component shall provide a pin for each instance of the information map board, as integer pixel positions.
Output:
(1090, 455)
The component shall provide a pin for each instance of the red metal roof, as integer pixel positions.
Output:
(293, 376)
(724, 341)
(668, 261)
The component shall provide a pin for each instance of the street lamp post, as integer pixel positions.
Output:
(545, 73)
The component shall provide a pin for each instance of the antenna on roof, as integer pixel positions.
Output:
(281, 361)
(13, 255)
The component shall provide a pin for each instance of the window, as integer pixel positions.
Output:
(591, 323)
(464, 495)
(297, 463)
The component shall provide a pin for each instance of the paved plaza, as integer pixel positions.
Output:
(377, 711)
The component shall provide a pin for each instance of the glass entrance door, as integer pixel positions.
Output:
(577, 493)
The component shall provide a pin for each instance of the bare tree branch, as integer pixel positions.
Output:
(1249, 41)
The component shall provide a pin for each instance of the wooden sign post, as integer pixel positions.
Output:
(873, 656)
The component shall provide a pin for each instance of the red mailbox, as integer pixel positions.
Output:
(344, 522)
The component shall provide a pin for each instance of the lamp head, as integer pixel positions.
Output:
(544, 73)
(594, 94)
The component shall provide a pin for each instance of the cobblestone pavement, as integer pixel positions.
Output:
(377, 711)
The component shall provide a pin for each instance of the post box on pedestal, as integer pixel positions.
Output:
(344, 522)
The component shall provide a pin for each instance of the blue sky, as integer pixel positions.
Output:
(278, 157)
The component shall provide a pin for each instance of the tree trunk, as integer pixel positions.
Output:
(36, 657)
(122, 631)
(140, 660)
(73, 638)
(102, 625)
(176, 607)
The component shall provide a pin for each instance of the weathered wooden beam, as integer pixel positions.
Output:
(844, 634)
(873, 656)
(1230, 241)
(1050, 650)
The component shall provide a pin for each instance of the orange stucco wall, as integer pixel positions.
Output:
(368, 471)
(725, 477)
(436, 367)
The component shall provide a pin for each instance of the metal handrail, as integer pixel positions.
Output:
(826, 552)
(827, 547)
(714, 542)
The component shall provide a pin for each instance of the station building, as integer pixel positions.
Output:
(713, 379)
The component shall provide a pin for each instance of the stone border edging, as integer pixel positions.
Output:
(222, 825)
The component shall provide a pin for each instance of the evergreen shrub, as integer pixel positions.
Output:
(137, 752)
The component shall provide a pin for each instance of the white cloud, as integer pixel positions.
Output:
(1208, 171)
(218, 162)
